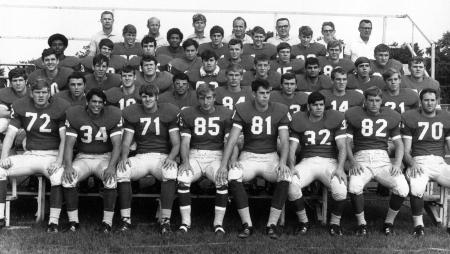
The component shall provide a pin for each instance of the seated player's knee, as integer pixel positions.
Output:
(56, 177)
(295, 191)
(124, 176)
(338, 190)
(169, 173)
(4, 122)
(417, 186)
(183, 186)
(235, 174)
(355, 185)
(110, 184)
(185, 179)
(223, 190)
(402, 189)
(3, 174)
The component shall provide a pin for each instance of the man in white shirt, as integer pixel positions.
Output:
(199, 24)
(153, 25)
(107, 20)
(239, 27)
(363, 46)
(283, 26)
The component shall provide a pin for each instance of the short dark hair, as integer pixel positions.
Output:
(235, 42)
(261, 58)
(147, 58)
(282, 19)
(328, 23)
(416, 60)
(47, 52)
(17, 72)
(129, 29)
(56, 37)
(107, 12)
(373, 91)
(76, 75)
(190, 42)
(174, 31)
(98, 92)
(99, 59)
(180, 76)
(337, 69)
(40, 83)
(205, 88)
(260, 83)
(365, 21)
(148, 39)
(428, 90)
(208, 54)
(149, 89)
(333, 44)
(106, 42)
(305, 30)
(390, 72)
(283, 45)
(234, 68)
(215, 30)
(311, 61)
(241, 19)
(381, 48)
(128, 69)
(287, 76)
(258, 30)
(315, 96)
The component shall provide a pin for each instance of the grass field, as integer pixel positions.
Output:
(144, 238)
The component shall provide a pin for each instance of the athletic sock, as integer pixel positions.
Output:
(244, 213)
(185, 215)
(54, 215)
(219, 213)
(390, 217)
(418, 220)
(335, 219)
(273, 216)
(302, 217)
(360, 218)
(73, 216)
(108, 217)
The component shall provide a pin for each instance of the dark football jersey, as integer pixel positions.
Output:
(163, 80)
(378, 70)
(116, 97)
(295, 103)
(71, 62)
(182, 65)
(93, 134)
(65, 95)
(408, 82)
(163, 62)
(170, 52)
(187, 100)
(260, 129)
(274, 79)
(41, 124)
(268, 50)
(58, 83)
(126, 52)
(407, 99)
(354, 83)
(151, 130)
(112, 80)
(229, 99)
(305, 84)
(327, 66)
(220, 52)
(216, 78)
(207, 130)
(314, 50)
(247, 62)
(296, 66)
(116, 64)
(8, 96)
(428, 135)
(372, 131)
(318, 138)
(342, 103)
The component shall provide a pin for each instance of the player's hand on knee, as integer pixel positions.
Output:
(5, 163)
(185, 168)
(234, 164)
(414, 171)
(284, 171)
(356, 169)
(169, 163)
(221, 176)
(122, 165)
(69, 174)
(53, 167)
(395, 170)
(109, 174)
(339, 173)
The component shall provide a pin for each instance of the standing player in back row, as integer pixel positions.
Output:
(398, 99)
(287, 95)
(369, 129)
(425, 132)
(233, 93)
(262, 122)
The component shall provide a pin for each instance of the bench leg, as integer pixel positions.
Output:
(444, 203)
(324, 205)
(7, 213)
(40, 213)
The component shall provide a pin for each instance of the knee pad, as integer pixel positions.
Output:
(169, 173)
(417, 187)
(124, 176)
(294, 192)
(71, 184)
(355, 186)
(56, 177)
(338, 190)
(110, 184)
(235, 174)
(222, 190)
(4, 122)
(3, 174)
(402, 189)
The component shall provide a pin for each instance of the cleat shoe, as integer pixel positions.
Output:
(335, 230)
(105, 228)
(73, 227)
(246, 231)
(124, 226)
(183, 229)
(302, 228)
(419, 231)
(388, 229)
(165, 227)
(2, 223)
(272, 232)
(52, 228)
(361, 230)
(219, 231)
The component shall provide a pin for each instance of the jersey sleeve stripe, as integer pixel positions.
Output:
(340, 136)
(284, 127)
(129, 130)
(62, 128)
(71, 134)
(396, 137)
(174, 129)
(407, 136)
(294, 139)
(237, 126)
(183, 134)
(115, 133)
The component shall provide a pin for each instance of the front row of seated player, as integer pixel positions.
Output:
(326, 139)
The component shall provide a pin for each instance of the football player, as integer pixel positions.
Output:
(262, 71)
(96, 131)
(233, 93)
(203, 129)
(174, 49)
(259, 47)
(287, 95)
(209, 72)
(425, 132)
(101, 79)
(127, 93)
(52, 73)
(332, 60)
(312, 80)
(75, 95)
(306, 48)
(149, 45)
(151, 76)
(321, 135)
(284, 63)
(398, 99)
(261, 122)
(382, 62)
(182, 95)
(154, 126)
(116, 63)
(43, 118)
(217, 45)
(417, 80)
(59, 43)
(129, 48)
(189, 61)
(363, 78)
(369, 129)
(199, 24)
(235, 56)
(338, 97)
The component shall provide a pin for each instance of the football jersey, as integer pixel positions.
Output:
(112, 80)
(65, 95)
(199, 76)
(274, 79)
(407, 99)
(342, 103)
(182, 65)
(127, 52)
(170, 52)
(305, 84)
(220, 52)
(372, 131)
(116, 97)
(408, 82)
(378, 70)
(318, 138)
(260, 129)
(247, 62)
(151, 130)
(8, 96)
(229, 99)
(207, 130)
(93, 134)
(327, 65)
(163, 62)
(268, 50)
(116, 64)
(428, 135)
(71, 62)
(58, 83)
(295, 103)
(41, 124)
(187, 100)
(296, 66)
(353, 82)
(163, 80)
(314, 50)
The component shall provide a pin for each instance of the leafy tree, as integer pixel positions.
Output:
(442, 65)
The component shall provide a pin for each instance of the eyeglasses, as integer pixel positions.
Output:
(328, 31)
(283, 26)
(365, 28)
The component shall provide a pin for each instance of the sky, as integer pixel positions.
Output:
(83, 21)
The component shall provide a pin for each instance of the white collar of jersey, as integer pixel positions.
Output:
(214, 73)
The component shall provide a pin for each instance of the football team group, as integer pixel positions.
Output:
(291, 110)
